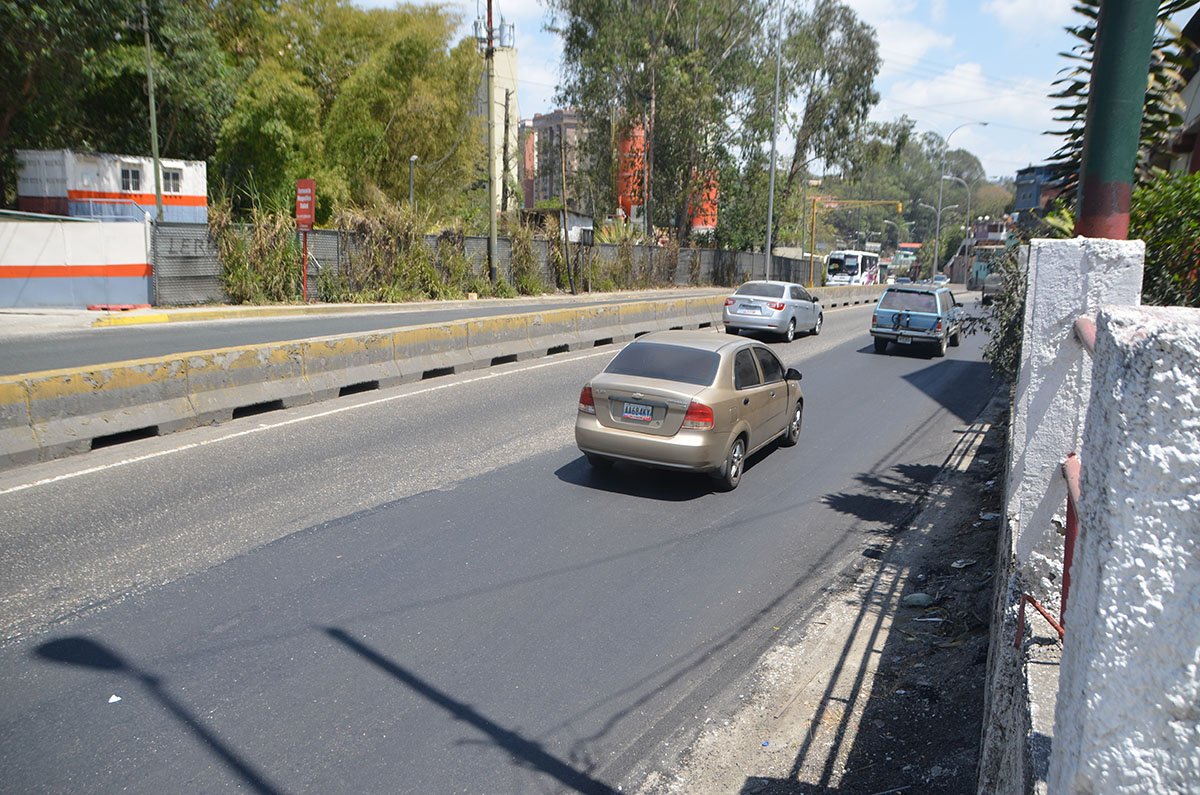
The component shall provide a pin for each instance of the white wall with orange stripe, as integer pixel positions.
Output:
(74, 264)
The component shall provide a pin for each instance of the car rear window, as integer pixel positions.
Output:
(908, 301)
(668, 362)
(760, 289)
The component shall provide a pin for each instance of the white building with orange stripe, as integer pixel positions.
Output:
(110, 187)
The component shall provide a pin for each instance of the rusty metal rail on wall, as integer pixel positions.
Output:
(1085, 331)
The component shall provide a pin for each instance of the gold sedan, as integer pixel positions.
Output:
(694, 401)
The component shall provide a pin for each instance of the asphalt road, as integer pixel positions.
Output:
(427, 589)
(81, 347)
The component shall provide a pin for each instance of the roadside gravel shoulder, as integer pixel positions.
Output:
(883, 689)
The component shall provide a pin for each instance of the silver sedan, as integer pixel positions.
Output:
(781, 308)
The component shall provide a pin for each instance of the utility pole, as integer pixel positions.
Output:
(504, 157)
(153, 112)
(491, 116)
(1116, 100)
(774, 124)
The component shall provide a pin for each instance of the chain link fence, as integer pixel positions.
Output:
(187, 270)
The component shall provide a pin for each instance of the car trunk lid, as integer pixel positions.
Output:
(643, 405)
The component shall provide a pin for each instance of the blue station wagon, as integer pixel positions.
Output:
(917, 315)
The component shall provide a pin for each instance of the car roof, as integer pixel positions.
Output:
(917, 288)
(769, 281)
(700, 339)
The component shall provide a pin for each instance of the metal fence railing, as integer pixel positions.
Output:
(187, 270)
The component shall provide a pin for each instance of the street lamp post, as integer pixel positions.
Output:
(938, 225)
(412, 161)
(941, 171)
(970, 239)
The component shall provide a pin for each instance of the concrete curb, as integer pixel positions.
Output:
(49, 414)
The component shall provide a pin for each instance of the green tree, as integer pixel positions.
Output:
(1162, 104)
(676, 67)
(76, 78)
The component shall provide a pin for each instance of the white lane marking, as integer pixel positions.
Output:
(274, 425)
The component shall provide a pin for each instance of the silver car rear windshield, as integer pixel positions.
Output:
(908, 301)
(759, 289)
(668, 362)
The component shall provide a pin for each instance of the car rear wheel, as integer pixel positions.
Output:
(732, 331)
(816, 329)
(939, 347)
(956, 338)
(880, 344)
(790, 334)
(792, 435)
(730, 474)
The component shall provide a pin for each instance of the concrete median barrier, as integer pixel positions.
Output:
(600, 325)
(555, 331)
(640, 318)
(70, 409)
(335, 363)
(225, 380)
(18, 445)
(499, 339)
(54, 413)
(430, 350)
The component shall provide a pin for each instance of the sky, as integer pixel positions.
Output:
(945, 64)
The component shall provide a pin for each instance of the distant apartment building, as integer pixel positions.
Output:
(556, 139)
(110, 187)
(504, 100)
(1035, 190)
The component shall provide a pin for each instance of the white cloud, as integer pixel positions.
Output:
(1030, 16)
(1017, 111)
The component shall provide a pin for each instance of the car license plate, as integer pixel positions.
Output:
(637, 411)
(750, 309)
(903, 340)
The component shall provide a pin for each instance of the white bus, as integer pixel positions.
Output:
(852, 267)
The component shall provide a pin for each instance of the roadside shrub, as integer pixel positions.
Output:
(260, 260)
(1166, 214)
(1005, 319)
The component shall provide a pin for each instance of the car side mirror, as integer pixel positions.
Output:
(956, 303)
(792, 374)
(815, 299)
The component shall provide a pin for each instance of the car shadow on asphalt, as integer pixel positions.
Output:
(648, 483)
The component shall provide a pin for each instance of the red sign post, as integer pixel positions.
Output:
(306, 202)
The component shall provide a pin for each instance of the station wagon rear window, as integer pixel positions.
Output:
(760, 289)
(908, 301)
(668, 362)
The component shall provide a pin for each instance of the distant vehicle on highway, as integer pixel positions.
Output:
(902, 280)
(917, 314)
(990, 287)
(693, 401)
(781, 308)
(941, 279)
(857, 267)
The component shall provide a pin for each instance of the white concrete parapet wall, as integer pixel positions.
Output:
(1067, 279)
(1128, 716)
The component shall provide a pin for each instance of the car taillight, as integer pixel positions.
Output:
(938, 327)
(728, 302)
(875, 319)
(586, 403)
(775, 306)
(699, 417)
